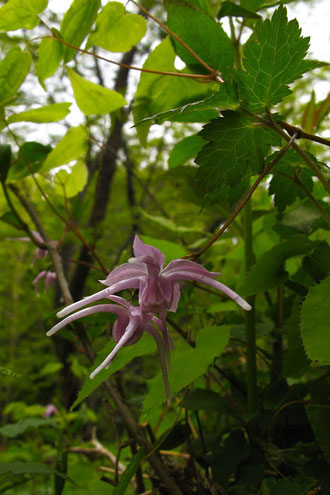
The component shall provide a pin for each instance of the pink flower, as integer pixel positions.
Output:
(50, 410)
(159, 289)
(40, 252)
(49, 277)
(128, 329)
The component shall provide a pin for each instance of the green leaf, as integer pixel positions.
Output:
(14, 429)
(71, 147)
(268, 271)
(319, 417)
(156, 93)
(92, 98)
(273, 58)
(77, 23)
(315, 323)
(289, 486)
(302, 217)
(5, 157)
(187, 364)
(202, 110)
(185, 150)
(33, 153)
(170, 225)
(16, 14)
(48, 113)
(171, 250)
(235, 146)
(202, 34)
(70, 184)
(117, 31)
(233, 10)
(144, 346)
(285, 190)
(129, 473)
(50, 53)
(10, 218)
(13, 70)
(30, 468)
(295, 361)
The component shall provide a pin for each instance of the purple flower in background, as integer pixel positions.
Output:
(128, 329)
(159, 289)
(50, 410)
(49, 277)
(40, 252)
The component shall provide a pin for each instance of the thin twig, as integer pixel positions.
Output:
(291, 129)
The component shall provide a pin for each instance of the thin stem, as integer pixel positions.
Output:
(204, 77)
(245, 200)
(215, 74)
(250, 334)
(291, 129)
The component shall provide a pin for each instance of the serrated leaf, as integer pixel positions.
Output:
(273, 58)
(17, 14)
(71, 183)
(76, 24)
(156, 93)
(93, 99)
(48, 113)
(14, 429)
(235, 147)
(233, 10)
(201, 110)
(268, 271)
(13, 70)
(71, 147)
(315, 323)
(117, 31)
(144, 346)
(33, 153)
(50, 53)
(187, 364)
(129, 473)
(202, 34)
(5, 157)
(185, 150)
(319, 417)
(170, 249)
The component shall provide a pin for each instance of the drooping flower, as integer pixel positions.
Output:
(40, 252)
(159, 289)
(49, 277)
(131, 322)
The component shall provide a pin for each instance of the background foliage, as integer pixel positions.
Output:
(222, 159)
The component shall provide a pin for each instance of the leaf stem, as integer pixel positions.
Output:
(245, 200)
(291, 129)
(214, 74)
(196, 77)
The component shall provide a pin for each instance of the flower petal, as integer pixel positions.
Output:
(127, 335)
(131, 283)
(147, 253)
(125, 271)
(189, 266)
(101, 308)
(185, 275)
(162, 359)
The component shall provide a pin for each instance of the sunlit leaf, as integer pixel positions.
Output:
(185, 150)
(117, 31)
(71, 183)
(71, 147)
(48, 113)
(233, 10)
(92, 98)
(16, 14)
(49, 57)
(76, 24)
(13, 70)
